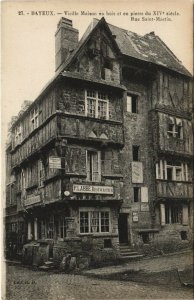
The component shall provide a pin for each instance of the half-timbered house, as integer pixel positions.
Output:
(102, 159)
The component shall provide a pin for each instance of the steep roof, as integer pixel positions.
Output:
(149, 48)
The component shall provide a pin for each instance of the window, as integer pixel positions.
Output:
(169, 173)
(171, 127)
(23, 180)
(172, 172)
(178, 173)
(183, 235)
(97, 105)
(132, 103)
(108, 64)
(50, 228)
(136, 194)
(173, 214)
(135, 153)
(145, 237)
(18, 134)
(84, 222)
(175, 128)
(94, 221)
(34, 118)
(40, 174)
(179, 128)
(62, 227)
(93, 164)
(47, 228)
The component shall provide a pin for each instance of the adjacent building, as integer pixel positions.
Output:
(103, 157)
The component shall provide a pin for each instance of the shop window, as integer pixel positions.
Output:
(84, 222)
(137, 194)
(94, 221)
(104, 221)
(107, 243)
(50, 228)
(173, 214)
(62, 227)
(93, 166)
(183, 235)
(135, 153)
(97, 105)
(132, 104)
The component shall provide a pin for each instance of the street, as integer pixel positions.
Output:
(24, 283)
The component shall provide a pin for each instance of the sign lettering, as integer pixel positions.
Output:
(92, 189)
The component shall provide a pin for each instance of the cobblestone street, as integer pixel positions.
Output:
(23, 283)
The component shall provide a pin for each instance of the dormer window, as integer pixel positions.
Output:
(18, 134)
(34, 118)
(97, 104)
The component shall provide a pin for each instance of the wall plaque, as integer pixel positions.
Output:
(137, 172)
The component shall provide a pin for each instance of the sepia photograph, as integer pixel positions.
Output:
(97, 150)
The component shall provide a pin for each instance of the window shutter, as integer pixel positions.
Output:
(162, 214)
(185, 214)
(144, 194)
(129, 103)
(88, 158)
(95, 164)
(157, 173)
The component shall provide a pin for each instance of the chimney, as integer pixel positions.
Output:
(66, 39)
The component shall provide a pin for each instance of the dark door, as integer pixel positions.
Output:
(123, 228)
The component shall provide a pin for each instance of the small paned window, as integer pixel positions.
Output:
(94, 221)
(97, 105)
(173, 214)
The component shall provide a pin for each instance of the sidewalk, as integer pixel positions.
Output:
(157, 269)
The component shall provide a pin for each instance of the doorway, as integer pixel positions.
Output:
(123, 228)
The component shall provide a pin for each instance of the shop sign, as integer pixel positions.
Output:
(32, 200)
(92, 189)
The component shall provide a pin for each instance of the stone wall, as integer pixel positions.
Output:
(137, 132)
(166, 240)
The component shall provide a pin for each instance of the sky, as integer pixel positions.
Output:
(28, 44)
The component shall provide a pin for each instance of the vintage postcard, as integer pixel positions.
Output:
(97, 149)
